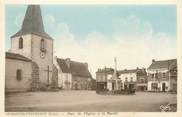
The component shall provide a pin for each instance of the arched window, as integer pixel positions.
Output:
(42, 46)
(20, 43)
(18, 74)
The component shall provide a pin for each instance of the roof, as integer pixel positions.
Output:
(75, 68)
(15, 56)
(163, 64)
(63, 66)
(127, 71)
(32, 23)
(138, 71)
(106, 70)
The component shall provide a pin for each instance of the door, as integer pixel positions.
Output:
(131, 86)
(76, 86)
(163, 87)
(113, 86)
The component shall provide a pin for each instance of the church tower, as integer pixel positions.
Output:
(33, 42)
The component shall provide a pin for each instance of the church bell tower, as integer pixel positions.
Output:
(33, 42)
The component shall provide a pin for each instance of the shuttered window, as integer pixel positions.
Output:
(18, 74)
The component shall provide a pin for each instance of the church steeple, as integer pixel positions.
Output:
(32, 23)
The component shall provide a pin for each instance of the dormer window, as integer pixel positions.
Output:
(20, 43)
(42, 45)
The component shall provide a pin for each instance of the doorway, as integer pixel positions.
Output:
(112, 85)
(163, 87)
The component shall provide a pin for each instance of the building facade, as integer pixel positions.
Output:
(135, 77)
(162, 75)
(73, 75)
(102, 77)
(126, 79)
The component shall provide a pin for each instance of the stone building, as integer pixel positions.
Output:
(162, 75)
(32, 43)
(73, 75)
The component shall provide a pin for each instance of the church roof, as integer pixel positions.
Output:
(15, 56)
(73, 67)
(163, 64)
(32, 23)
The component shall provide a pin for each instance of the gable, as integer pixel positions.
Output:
(75, 68)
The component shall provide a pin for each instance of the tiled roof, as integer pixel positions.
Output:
(106, 70)
(79, 69)
(138, 71)
(15, 56)
(63, 66)
(163, 64)
(32, 23)
(75, 68)
(127, 71)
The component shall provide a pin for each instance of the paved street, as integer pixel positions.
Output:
(86, 101)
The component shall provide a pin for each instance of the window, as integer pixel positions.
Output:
(163, 75)
(152, 75)
(131, 78)
(18, 74)
(20, 43)
(126, 79)
(142, 80)
(156, 75)
(42, 45)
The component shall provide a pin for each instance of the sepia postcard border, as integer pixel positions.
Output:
(178, 3)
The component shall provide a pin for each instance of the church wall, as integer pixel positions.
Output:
(26, 50)
(45, 62)
(11, 83)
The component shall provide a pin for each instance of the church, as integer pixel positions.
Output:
(29, 63)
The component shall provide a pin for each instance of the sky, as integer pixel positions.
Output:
(134, 34)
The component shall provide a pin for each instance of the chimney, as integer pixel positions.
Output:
(68, 60)
(153, 60)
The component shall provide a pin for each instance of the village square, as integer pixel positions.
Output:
(37, 80)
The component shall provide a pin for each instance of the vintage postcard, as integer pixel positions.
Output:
(96, 59)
